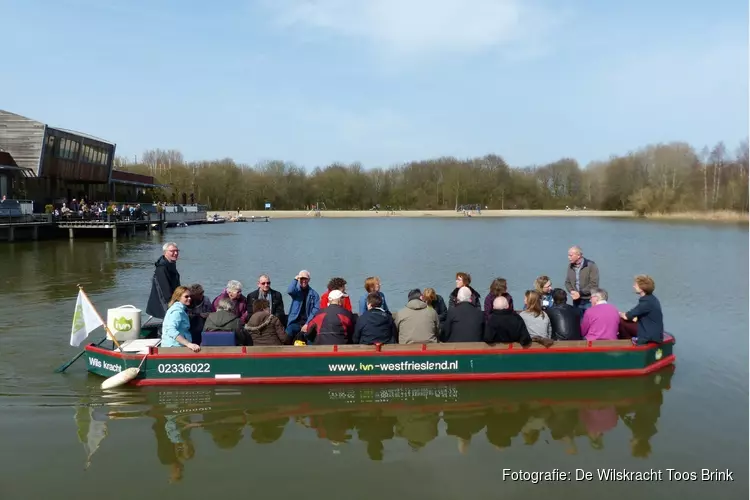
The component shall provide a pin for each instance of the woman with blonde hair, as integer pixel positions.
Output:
(498, 288)
(372, 284)
(536, 320)
(176, 324)
(543, 286)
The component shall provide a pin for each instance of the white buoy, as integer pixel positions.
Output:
(121, 378)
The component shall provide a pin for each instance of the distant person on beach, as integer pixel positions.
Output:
(164, 282)
(647, 314)
(417, 323)
(305, 304)
(581, 278)
(602, 320)
(464, 279)
(265, 292)
(372, 284)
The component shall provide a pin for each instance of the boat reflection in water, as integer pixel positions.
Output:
(569, 412)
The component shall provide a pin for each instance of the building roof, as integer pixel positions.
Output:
(81, 134)
(123, 177)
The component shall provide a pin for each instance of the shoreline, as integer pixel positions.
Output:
(719, 216)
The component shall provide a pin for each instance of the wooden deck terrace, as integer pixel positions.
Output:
(116, 227)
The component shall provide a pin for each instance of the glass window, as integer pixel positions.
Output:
(106, 158)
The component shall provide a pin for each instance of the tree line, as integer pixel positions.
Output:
(671, 177)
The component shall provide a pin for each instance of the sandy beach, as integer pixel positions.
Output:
(351, 214)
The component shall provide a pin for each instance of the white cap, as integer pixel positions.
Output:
(336, 295)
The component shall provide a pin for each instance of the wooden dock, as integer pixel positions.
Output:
(126, 227)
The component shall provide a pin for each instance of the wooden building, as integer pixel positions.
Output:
(61, 164)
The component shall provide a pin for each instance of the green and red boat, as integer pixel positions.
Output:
(376, 363)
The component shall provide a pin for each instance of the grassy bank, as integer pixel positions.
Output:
(724, 216)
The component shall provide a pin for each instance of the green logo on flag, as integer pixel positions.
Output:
(78, 322)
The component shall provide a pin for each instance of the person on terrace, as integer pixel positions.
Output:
(176, 324)
(233, 292)
(372, 284)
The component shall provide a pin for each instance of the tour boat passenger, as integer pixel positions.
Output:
(372, 284)
(305, 304)
(564, 318)
(233, 291)
(274, 298)
(432, 299)
(464, 279)
(340, 285)
(417, 323)
(176, 324)
(543, 286)
(376, 325)
(333, 324)
(464, 323)
(505, 325)
(537, 322)
(164, 282)
(602, 320)
(498, 288)
(647, 313)
(264, 328)
(226, 320)
(582, 276)
(198, 311)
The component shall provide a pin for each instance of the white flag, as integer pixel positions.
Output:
(85, 320)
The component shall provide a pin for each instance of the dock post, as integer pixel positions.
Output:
(70, 233)
(11, 233)
(114, 233)
(132, 230)
(35, 233)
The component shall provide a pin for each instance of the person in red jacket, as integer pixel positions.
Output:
(333, 324)
(340, 285)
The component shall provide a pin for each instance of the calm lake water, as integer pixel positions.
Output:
(63, 438)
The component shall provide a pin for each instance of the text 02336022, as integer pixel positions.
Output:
(184, 368)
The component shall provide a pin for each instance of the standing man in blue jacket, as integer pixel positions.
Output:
(305, 304)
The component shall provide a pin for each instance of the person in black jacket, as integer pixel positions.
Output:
(275, 298)
(225, 320)
(565, 319)
(464, 322)
(166, 279)
(505, 326)
(464, 280)
(376, 325)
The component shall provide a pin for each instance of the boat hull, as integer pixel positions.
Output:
(390, 363)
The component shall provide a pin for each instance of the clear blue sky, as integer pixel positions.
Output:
(381, 81)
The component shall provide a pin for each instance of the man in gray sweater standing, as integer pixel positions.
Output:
(581, 279)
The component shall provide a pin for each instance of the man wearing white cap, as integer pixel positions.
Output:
(305, 303)
(332, 325)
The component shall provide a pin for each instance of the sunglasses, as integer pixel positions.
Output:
(265, 282)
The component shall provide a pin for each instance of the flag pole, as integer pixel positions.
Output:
(104, 324)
